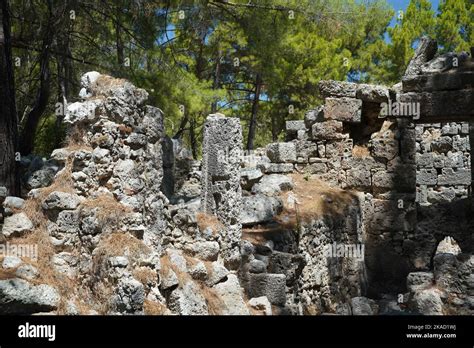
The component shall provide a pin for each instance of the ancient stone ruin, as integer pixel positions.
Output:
(366, 208)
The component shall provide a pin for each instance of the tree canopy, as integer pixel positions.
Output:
(259, 60)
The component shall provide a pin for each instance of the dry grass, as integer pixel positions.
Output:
(122, 244)
(109, 211)
(75, 140)
(32, 208)
(316, 199)
(260, 234)
(214, 303)
(145, 275)
(100, 286)
(154, 308)
(39, 236)
(205, 220)
(360, 151)
(99, 140)
(167, 266)
(125, 129)
(7, 273)
(104, 84)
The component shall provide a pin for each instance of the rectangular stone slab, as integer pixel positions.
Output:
(438, 82)
(444, 106)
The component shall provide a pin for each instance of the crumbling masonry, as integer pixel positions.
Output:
(386, 173)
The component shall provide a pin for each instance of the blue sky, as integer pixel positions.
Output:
(402, 5)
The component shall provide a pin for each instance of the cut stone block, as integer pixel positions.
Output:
(282, 152)
(343, 109)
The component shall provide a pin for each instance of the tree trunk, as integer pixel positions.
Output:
(118, 40)
(216, 81)
(182, 125)
(8, 118)
(41, 102)
(192, 138)
(42, 97)
(274, 128)
(253, 118)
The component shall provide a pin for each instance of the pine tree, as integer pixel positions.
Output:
(455, 25)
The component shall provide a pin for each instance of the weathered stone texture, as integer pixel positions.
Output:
(222, 149)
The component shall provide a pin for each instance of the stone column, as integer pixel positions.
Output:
(221, 192)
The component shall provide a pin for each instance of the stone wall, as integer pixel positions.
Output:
(123, 207)
(443, 162)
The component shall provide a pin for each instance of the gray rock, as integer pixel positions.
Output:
(270, 285)
(18, 296)
(221, 190)
(177, 259)
(448, 246)
(327, 130)
(277, 168)
(17, 225)
(313, 116)
(249, 177)
(425, 159)
(450, 177)
(60, 155)
(428, 302)
(358, 178)
(427, 177)
(343, 109)
(259, 208)
(443, 195)
(363, 306)
(425, 51)
(188, 300)
(13, 203)
(27, 272)
(129, 297)
(11, 262)
(118, 261)
(169, 279)
(281, 152)
(273, 185)
(291, 265)
(41, 178)
(419, 280)
(331, 88)
(87, 82)
(78, 112)
(257, 266)
(442, 144)
(136, 140)
(373, 93)
(232, 296)
(442, 63)
(65, 263)
(441, 105)
(385, 147)
(61, 201)
(261, 304)
(438, 82)
(246, 248)
(100, 155)
(198, 271)
(216, 274)
(292, 128)
(306, 149)
(208, 250)
(3, 193)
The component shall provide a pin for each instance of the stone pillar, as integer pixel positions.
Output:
(221, 192)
